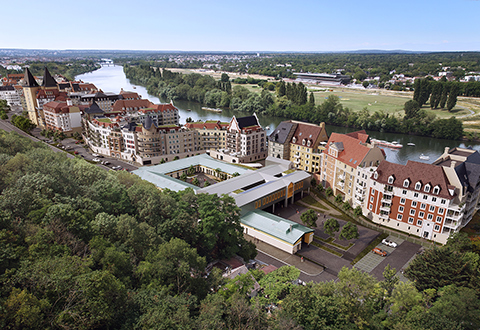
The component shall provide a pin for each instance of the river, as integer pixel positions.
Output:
(112, 79)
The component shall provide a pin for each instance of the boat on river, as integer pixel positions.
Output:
(411, 144)
(382, 143)
(424, 157)
(212, 109)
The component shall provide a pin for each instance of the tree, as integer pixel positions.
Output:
(311, 99)
(339, 198)
(280, 88)
(411, 109)
(358, 211)
(452, 96)
(173, 265)
(349, 231)
(309, 218)
(331, 226)
(329, 192)
(436, 268)
(346, 206)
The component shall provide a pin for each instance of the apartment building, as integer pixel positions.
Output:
(212, 134)
(431, 201)
(347, 163)
(63, 117)
(245, 143)
(306, 146)
(279, 140)
(9, 94)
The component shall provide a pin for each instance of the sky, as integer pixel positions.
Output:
(245, 25)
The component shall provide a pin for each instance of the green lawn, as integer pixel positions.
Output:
(377, 101)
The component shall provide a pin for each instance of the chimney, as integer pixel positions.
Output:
(322, 124)
(447, 149)
(69, 102)
(453, 163)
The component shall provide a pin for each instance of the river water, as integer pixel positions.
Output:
(112, 79)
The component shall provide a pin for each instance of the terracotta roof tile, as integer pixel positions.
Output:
(415, 172)
(306, 131)
(354, 150)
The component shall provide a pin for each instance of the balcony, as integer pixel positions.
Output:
(451, 224)
(388, 192)
(386, 201)
(385, 208)
(383, 216)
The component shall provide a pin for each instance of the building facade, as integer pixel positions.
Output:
(63, 117)
(212, 134)
(347, 162)
(306, 146)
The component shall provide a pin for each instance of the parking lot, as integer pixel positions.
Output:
(78, 148)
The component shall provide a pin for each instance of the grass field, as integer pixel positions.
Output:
(374, 100)
(380, 101)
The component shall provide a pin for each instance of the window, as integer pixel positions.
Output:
(375, 175)
(436, 228)
(370, 207)
(399, 216)
(425, 197)
(431, 208)
(400, 209)
(421, 214)
(418, 186)
(440, 211)
(371, 199)
(422, 206)
(436, 190)
(404, 192)
(430, 217)
(410, 220)
(391, 179)
(414, 204)
(439, 219)
(415, 195)
(406, 183)
(443, 201)
(412, 212)
(402, 201)
(419, 222)
(427, 188)
(434, 199)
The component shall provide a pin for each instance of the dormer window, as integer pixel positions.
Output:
(436, 190)
(406, 183)
(375, 175)
(303, 142)
(294, 140)
(308, 143)
(418, 186)
(427, 188)
(391, 178)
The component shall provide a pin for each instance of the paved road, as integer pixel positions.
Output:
(70, 143)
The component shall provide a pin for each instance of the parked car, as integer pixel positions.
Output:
(116, 168)
(389, 243)
(95, 155)
(105, 162)
(96, 160)
(380, 252)
(79, 141)
(75, 152)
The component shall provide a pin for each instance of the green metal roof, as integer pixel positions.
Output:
(283, 229)
(157, 174)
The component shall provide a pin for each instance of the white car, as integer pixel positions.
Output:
(95, 155)
(96, 160)
(389, 243)
(116, 168)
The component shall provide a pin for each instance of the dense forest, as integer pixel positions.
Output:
(83, 248)
(358, 65)
(69, 69)
(288, 100)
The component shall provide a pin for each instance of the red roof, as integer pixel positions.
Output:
(415, 172)
(309, 132)
(354, 150)
(359, 135)
(208, 125)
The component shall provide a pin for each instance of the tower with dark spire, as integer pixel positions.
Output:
(48, 80)
(30, 93)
